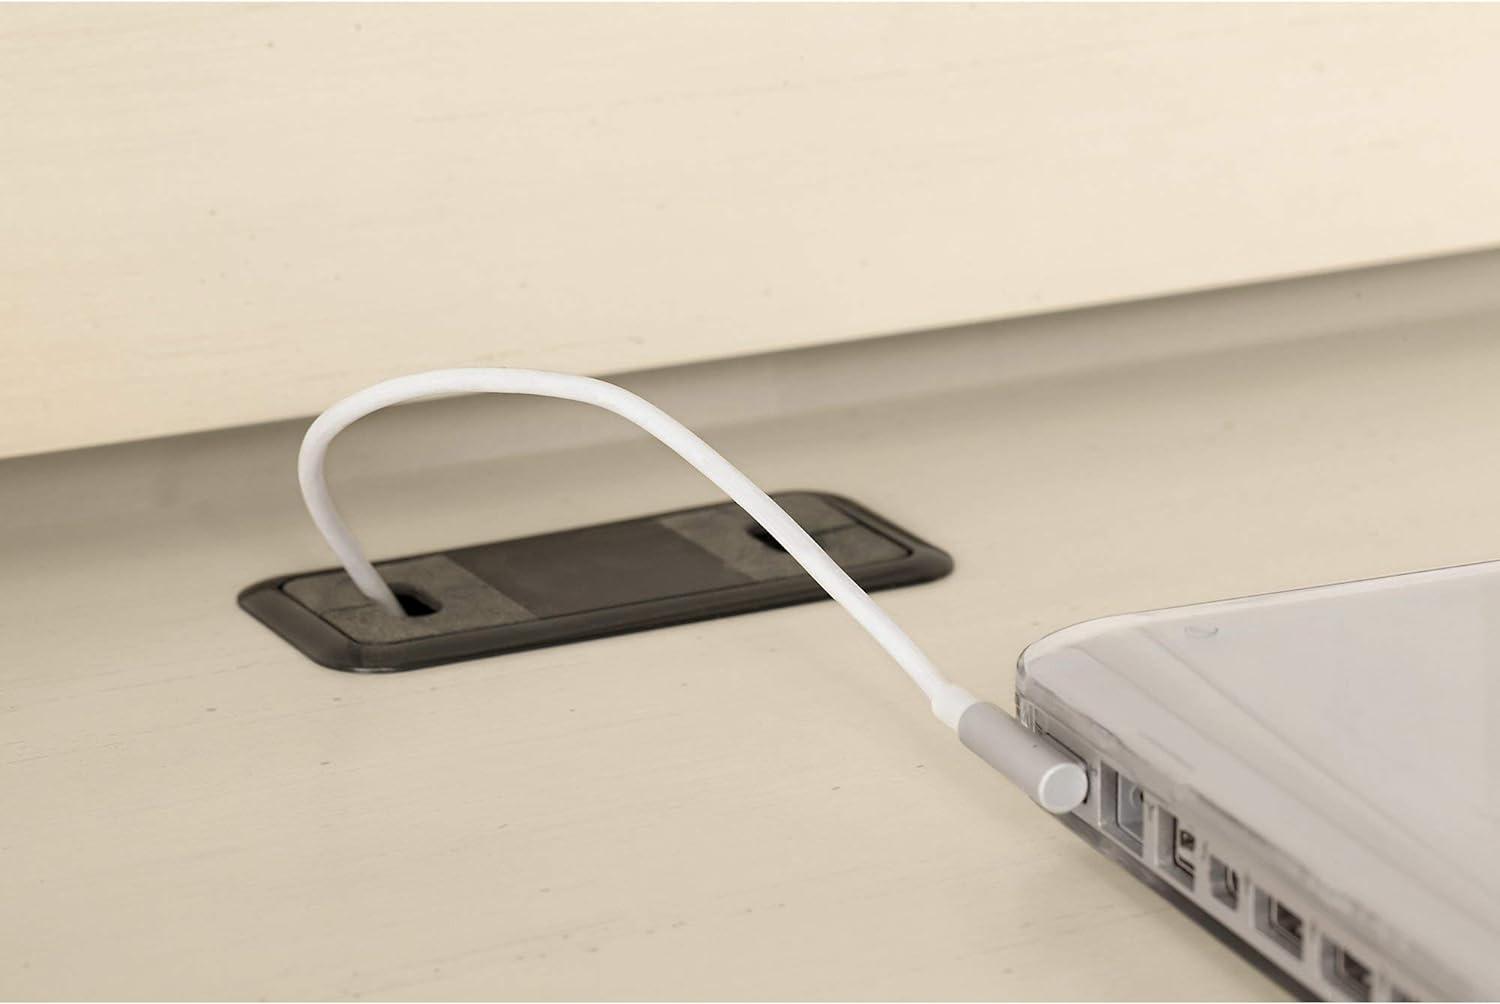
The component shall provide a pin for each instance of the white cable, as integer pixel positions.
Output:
(1048, 775)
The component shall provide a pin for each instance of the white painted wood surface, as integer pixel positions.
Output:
(756, 807)
(216, 215)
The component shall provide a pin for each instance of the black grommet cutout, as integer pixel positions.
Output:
(414, 603)
(555, 588)
(761, 534)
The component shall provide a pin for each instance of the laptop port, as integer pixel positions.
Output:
(1347, 972)
(1224, 883)
(1124, 808)
(1183, 845)
(1278, 922)
(1177, 848)
(1130, 807)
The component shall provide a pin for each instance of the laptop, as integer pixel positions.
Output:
(1313, 775)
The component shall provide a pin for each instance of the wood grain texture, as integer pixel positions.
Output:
(758, 807)
(215, 215)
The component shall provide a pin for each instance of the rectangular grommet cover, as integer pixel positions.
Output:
(555, 588)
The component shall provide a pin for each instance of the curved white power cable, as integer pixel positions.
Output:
(1046, 773)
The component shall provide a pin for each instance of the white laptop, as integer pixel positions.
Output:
(1313, 775)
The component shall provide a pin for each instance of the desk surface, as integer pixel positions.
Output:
(191, 810)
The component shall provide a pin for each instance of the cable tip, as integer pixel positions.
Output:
(1050, 775)
(1062, 788)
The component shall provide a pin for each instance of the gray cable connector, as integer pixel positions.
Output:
(1053, 778)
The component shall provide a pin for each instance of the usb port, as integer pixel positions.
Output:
(1183, 845)
(1279, 922)
(1224, 883)
(1177, 848)
(1347, 972)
